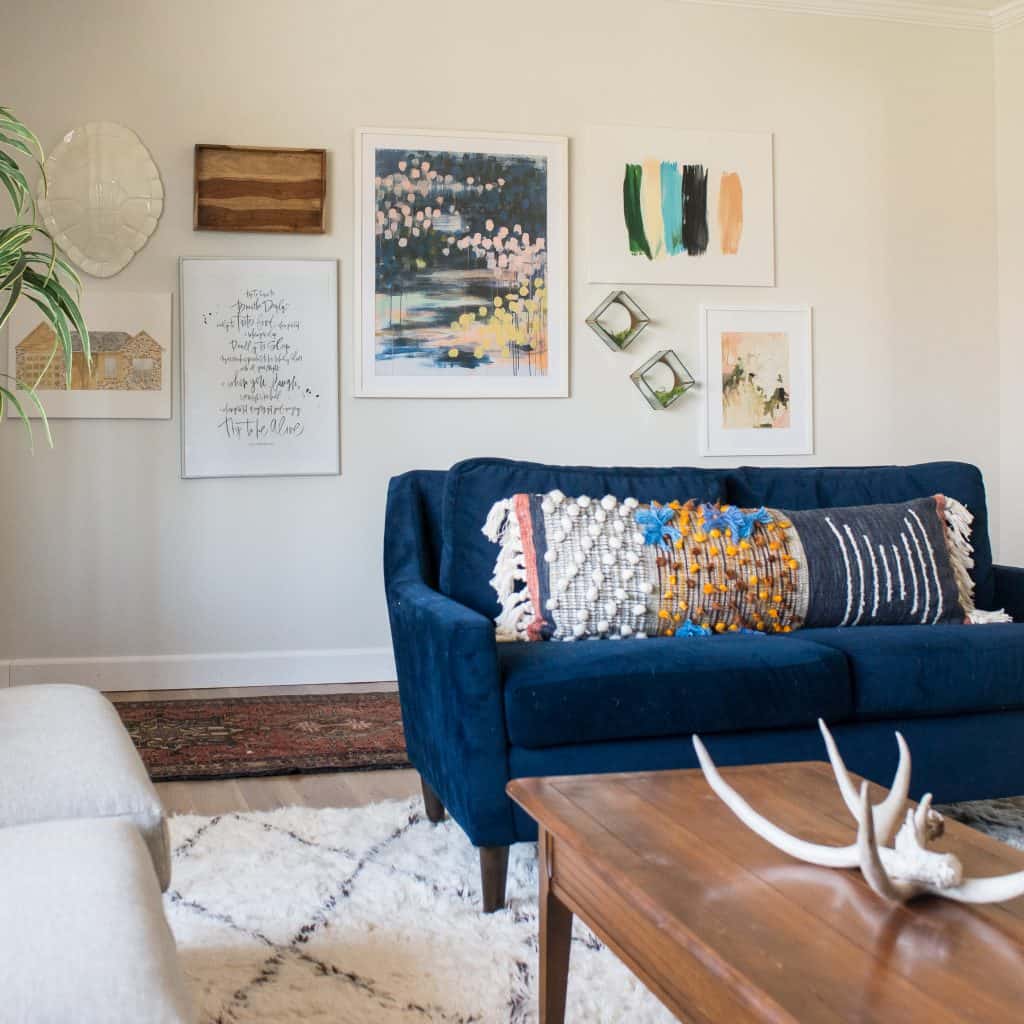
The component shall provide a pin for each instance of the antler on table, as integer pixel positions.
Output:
(897, 873)
(888, 813)
(812, 853)
(871, 866)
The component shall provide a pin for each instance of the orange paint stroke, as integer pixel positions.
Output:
(730, 213)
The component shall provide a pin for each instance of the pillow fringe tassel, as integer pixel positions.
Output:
(958, 533)
(958, 539)
(976, 617)
(497, 520)
(502, 528)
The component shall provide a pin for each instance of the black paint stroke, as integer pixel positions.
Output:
(695, 209)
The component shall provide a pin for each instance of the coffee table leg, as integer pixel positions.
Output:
(555, 940)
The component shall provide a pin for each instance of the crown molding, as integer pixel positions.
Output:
(908, 12)
(1007, 15)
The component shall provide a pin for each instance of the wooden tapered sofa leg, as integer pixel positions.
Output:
(432, 803)
(493, 873)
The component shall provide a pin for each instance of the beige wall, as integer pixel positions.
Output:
(884, 161)
(1010, 218)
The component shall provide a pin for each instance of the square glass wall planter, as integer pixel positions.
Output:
(618, 321)
(663, 379)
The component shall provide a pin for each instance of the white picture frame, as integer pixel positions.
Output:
(457, 372)
(127, 330)
(638, 194)
(259, 367)
(749, 345)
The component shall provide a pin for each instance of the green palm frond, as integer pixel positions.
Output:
(9, 394)
(43, 278)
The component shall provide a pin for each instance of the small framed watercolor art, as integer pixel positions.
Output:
(758, 380)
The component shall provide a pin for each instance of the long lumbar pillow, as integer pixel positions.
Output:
(570, 568)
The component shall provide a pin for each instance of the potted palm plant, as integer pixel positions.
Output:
(33, 270)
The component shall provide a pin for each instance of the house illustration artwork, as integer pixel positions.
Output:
(120, 361)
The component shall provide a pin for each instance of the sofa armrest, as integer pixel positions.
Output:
(452, 706)
(1010, 590)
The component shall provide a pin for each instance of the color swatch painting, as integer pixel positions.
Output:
(680, 207)
(755, 380)
(758, 380)
(463, 250)
(665, 208)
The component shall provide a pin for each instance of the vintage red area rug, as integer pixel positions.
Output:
(224, 738)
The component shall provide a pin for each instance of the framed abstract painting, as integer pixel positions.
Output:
(463, 265)
(758, 380)
(668, 206)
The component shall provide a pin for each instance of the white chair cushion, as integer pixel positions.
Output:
(83, 936)
(65, 754)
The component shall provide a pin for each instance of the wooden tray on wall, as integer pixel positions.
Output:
(248, 188)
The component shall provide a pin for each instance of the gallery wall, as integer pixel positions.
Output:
(885, 224)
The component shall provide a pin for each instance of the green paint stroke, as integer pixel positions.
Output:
(632, 213)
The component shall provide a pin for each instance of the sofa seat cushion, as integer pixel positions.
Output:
(933, 670)
(474, 485)
(564, 693)
(83, 936)
(65, 754)
(837, 487)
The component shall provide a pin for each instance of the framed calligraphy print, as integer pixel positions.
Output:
(259, 367)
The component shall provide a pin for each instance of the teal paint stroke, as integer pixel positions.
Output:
(672, 206)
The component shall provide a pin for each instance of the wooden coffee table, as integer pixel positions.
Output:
(725, 929)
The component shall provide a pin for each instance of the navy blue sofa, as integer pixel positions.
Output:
(478, 713)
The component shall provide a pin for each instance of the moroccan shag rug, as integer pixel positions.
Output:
(371, 916)
(223, 738)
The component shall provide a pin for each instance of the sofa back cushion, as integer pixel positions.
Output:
(412, 526)
(836, 487)
(474, 485)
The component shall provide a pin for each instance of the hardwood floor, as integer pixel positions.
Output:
(324, 789)
(251, 691)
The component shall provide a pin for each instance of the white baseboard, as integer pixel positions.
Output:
(196, 671)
